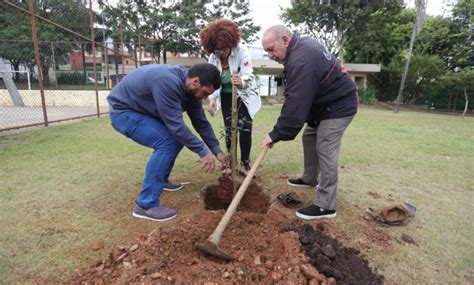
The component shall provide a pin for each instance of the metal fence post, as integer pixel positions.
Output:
(31, 5)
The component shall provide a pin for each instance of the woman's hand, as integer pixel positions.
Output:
(236, 80)
(211, 108)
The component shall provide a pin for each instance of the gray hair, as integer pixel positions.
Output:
(278, 31)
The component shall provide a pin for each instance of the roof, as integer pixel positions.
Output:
(266, 66)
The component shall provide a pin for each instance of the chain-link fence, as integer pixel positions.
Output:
(54, 67)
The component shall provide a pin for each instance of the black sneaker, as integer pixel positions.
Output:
(298, 182)
(314, 212)
(245, 168)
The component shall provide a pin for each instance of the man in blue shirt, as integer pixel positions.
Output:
(147, 106)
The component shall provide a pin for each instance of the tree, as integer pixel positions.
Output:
(462, 34)
(463, 80)
(15, 30)
(333, 21)
(174, 26)
(125, 21)
(15, 44)
(171, 26)
(384, 38)
(424, 72)
(420, 18)
(237, 11)
(383, 41)
(435, 38)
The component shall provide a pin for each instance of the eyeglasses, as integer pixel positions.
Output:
(220, 50)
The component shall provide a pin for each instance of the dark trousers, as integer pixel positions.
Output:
(244, 125)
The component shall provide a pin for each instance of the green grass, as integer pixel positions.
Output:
(67, 187)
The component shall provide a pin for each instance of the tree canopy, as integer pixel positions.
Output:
(333, 22)
(175, 26)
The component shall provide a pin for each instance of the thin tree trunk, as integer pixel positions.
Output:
(233, 137)
(117, 79)
(83, 53)
(450, 95)
(405, 70)
(419, 20)
(455, 102)
(136, 56)
(466, 104)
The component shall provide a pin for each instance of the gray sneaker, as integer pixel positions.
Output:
(159, 214)
(170, 186)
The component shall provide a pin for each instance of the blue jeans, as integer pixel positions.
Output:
(152, 133)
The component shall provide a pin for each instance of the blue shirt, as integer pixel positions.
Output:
(157, 90)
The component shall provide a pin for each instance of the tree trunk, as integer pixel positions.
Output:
(450, 95)
(117, 79)
(419, 20)
(16, 67)
(455, 102)
(52, 77)
(45, 69)
(405, 70)
(233, 137)
(83, 53)
(466, 104)
(136, 56)
(340, 46)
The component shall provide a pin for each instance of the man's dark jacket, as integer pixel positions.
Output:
(316, 88)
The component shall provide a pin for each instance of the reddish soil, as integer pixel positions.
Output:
(218, 197)
(269, 248)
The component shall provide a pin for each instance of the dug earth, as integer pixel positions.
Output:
(270, 249)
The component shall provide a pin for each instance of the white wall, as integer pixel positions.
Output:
(62, 98)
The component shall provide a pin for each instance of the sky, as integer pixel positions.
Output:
(266, 12)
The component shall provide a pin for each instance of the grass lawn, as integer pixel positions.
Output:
(65, 188)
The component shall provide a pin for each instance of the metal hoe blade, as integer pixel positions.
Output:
(212, 249)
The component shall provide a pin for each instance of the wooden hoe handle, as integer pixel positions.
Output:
(217, 234)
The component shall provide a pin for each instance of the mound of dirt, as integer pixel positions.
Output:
(267, 247)
(264, 254)
(332, 259)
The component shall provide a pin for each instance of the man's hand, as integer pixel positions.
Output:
(211, 108)
(207, 163)
(223, 159)
(236, 80)
(267, 141)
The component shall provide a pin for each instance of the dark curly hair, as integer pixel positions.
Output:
(220, 34)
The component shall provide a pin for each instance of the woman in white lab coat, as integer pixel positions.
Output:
(221, 40)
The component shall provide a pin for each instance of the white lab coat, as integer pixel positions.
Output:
(240, 57)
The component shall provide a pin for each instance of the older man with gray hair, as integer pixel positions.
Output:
(319, 92)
